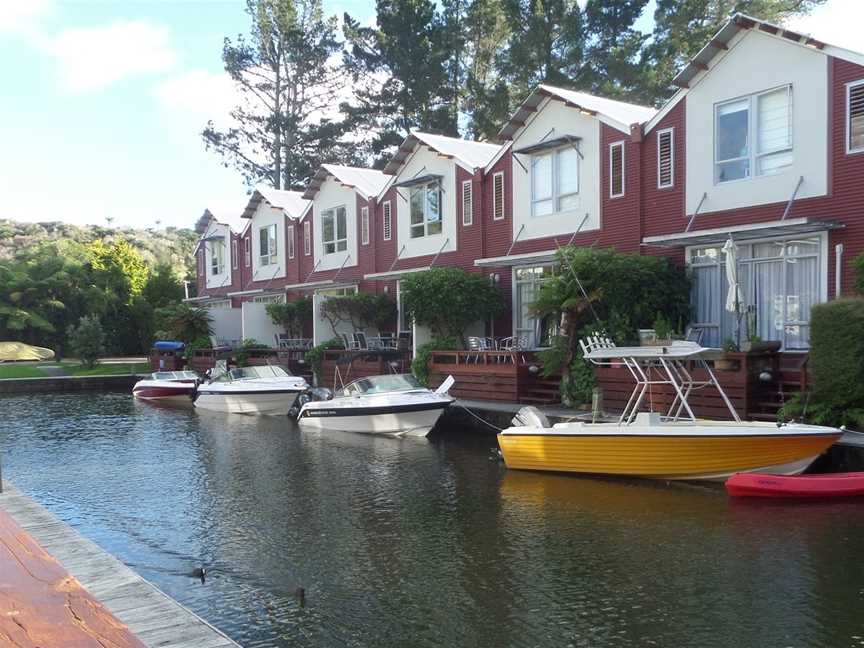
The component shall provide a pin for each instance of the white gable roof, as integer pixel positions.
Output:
(291, 202)
(368, 182)
(468, 154)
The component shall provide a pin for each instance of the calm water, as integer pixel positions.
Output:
(427, 542)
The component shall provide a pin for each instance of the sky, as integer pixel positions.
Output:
(103, 102)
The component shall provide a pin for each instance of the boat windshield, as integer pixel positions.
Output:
(382, 384)
(174, 375)
(251, 373)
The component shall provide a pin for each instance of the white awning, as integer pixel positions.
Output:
(530, 258)
(768, 229)
(390, 275)
(241, 293)
(206, 298)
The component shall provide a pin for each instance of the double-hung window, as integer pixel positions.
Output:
(267, 244)
(217, 257)
(334, 230)
(426, 210)
(753, 135)
(555, 181)
(855, 117)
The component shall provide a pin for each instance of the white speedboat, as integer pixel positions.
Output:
(391, 405)
(167, 386)
(251, 390)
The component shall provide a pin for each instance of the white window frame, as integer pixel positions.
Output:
(467, 203)
(333, 212)
(753, 155)
(387, 220)
(307, 239)
(495, 210)
(849, 87)
(671, 183)
(612, 193)
(271, 257)
(290, 241)
(217, 261)
(364, 225)
(234, 254)
(269, 299)
(435, 185)
(555, 196)
(202, 262)
(247, 251)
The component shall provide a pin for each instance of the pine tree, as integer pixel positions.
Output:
(286, 125)
(487, 97)
(399, 71)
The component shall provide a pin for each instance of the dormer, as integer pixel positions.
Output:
(757, 101)
(270, 212)
(563, 144)
(423, 186)
(217, 252)
(342, 199)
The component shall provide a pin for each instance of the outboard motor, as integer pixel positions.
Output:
(320, 394)
(311, 394)
(530, 416)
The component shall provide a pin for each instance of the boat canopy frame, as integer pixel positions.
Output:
(669, 363)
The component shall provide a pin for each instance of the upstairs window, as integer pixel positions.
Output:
(247, 251)
(387, 221)
(290, 241)
(334, 230)
(665, 158)
(267, 244)
(425, 214)
(307, 239)
(467, 203)
(855, 117)
(217, 257)
(555, 181)
(498, 196)
(364, 225)
(234, 261)
(753, 135)
(616, 169)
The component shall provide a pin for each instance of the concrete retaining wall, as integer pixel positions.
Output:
(68, 383)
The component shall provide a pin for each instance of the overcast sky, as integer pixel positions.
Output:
(103, 103)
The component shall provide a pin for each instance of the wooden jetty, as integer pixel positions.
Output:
(154, 618)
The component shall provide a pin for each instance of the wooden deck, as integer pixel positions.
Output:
(153, 617)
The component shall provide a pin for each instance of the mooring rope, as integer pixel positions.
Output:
(494, 427)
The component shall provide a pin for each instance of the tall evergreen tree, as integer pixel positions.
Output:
(683, 27)
(290, 88)
(399, 70)
(487, 97)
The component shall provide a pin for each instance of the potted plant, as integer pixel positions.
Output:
(754, 343)
(725, 363)
(663, 332)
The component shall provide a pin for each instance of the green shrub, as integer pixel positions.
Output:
(241, 353)
(87, 340)
(420, 364)
(315, 355)
(837, 361)
(449, 300)
(292, 316)
(360, 310)
(199, 343)
(858, 266)
(182, 322)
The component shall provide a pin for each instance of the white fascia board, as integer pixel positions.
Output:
(393, 274)
(240, 293)
(515, 259)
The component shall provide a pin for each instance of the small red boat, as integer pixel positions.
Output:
(849, 484)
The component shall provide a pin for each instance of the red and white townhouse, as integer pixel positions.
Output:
(568, 173)
(430, 211)
(763, 142)
(339, 238)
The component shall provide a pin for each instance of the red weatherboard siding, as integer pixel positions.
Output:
(619, 217)
(201, 280)
(844, 202)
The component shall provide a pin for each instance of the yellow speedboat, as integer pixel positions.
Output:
(675, 445)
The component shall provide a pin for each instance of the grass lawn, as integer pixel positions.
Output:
(108, 369)
(20, 371)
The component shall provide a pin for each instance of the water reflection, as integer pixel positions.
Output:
(426, 542)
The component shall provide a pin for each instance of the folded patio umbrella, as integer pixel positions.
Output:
(733, 297)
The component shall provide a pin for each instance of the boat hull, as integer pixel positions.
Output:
(165, 394)
(804, 487)
(686, 457)
(370, 420)
(270, 403)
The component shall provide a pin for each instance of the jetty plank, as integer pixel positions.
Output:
(41, 604)
(151, 617)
